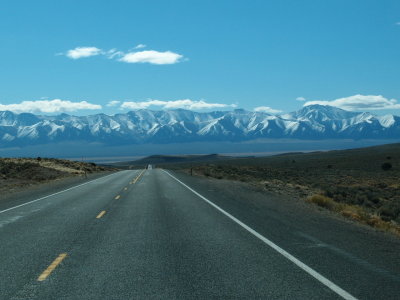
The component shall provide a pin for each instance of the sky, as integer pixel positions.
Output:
(86, 57)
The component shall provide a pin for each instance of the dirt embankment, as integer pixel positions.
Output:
(19, 172)
(361, 184)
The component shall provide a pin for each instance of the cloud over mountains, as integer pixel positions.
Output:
(60, 106)
(352, 103)
(360, 103)
(174, 104)
(49, 106)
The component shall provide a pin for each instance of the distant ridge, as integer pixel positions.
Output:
(314, 122)
(166, 159)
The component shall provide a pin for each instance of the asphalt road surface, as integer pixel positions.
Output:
(155, 234)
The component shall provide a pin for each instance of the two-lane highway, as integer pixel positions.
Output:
(151, 234)
(35, 233)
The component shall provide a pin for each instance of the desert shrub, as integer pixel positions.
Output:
(386, 166)
(322, 201)
(329, 192)
(381, 185)
(338, 198)
(390, 211)
(355, 212)
(5, 168)
(374, 199)
(13, 168)
(361, 197)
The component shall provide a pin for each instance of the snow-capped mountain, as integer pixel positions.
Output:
(147, 126)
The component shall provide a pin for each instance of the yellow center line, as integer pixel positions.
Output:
(51, 268)
(137, 178)
(116, 198)
(101, 214)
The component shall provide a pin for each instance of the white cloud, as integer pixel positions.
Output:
(360, 103)
(152, 57)
(113, 103)
(49, 106)
(301, 99)
(80, 52)
(174, 104)
(147, 56)
(267, 109)
(398, 23)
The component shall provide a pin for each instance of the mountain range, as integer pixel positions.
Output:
(314, 122)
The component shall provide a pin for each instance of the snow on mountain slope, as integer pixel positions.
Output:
(147, 126)
(320, 113)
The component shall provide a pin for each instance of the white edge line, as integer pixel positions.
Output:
(338, 290)
(71, 188)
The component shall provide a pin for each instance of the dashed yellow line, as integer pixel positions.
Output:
(138, 177)
(52, 266)
(101, 214)
(117, 197)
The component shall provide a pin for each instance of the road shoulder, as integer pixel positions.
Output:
(31, 192)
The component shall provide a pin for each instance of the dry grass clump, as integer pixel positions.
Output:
(323, 201)
(356, 213)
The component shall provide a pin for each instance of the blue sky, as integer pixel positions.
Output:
(247, 54)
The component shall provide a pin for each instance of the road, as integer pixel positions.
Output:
(155, 234)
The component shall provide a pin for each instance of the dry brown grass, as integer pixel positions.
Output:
(356, 213)
(323, 201)
(62, 168)
(19, 172)
(73, 168)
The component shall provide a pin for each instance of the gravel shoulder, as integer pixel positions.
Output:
(16, 196)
